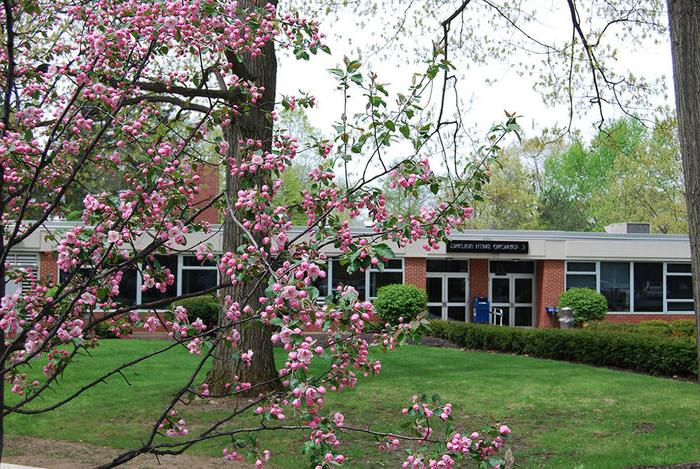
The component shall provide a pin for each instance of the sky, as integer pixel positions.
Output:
(483, 103)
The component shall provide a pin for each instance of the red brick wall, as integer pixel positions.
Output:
(208, 188)
(47, 266)
(549, 284)
(639, 317)
(414, 271)
(478, 281)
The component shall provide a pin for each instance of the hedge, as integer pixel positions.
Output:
(684, 328)
(656, 355)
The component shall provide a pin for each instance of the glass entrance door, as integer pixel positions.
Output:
(513, 294)
(447, 296)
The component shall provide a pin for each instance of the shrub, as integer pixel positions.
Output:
(102, 330)
(394, 301)
(205, 307)
(653, 354)
(655, 326)
(683, 328)
(585, 303)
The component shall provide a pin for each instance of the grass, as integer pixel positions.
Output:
(562, 414)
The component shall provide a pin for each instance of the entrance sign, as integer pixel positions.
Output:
(494, 247)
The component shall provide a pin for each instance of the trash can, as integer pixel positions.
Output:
(481, 310)
(566, 318)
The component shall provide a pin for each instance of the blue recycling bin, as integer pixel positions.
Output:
(482, 308)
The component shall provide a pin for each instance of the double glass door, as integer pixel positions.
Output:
(447, 296)
(513, 294)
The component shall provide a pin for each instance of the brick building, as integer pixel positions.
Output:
(644, 276)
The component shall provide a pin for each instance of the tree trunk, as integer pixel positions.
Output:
(256, 124)
(684, 22)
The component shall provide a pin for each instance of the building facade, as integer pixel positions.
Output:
(522, 273)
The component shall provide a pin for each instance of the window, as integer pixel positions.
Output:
(657, 286)
(679, 288)
(511, 267)
(366, 283)
(20, 260)
(127, 288)
(447, 265)
(392, 273)
(581, 275)
(153, 294)
(340, 276)
(648, 286)
(197, 275)
(615, 285)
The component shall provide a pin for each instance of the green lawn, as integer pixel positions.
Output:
(562, 414)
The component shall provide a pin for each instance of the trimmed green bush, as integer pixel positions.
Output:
(398, 300)
(683, 328)
(205, 307)
(586, 304)
(655, 326)
(652, 354)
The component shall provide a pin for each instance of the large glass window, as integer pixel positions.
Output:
(581, 275)
(679, 288)
(648, 286)
(154, 294)
(366, 283)
(615, 284)
(342, 277)
(127, 288)
(197, 275)
(657, 286)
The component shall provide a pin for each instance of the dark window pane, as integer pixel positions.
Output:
(679, 287)
(457, 313)
(457, 290)
(523, 316)
(192, 261)
(500, 290)
(511, 267)
(681, 306)
(393, 264)
(380, 279)
(127, 288)
(322, 285)
(194, 281)
(448, 265)
(648, 286)
(523, 290)
(342, 277)
(679, 268)
(580, 281)
(615, 284)
(434, 285)
(153, 294)
(580, 266)
(435, 312)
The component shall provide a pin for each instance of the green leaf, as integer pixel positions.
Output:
(405, 131)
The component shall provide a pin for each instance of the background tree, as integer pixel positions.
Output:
(509, 200)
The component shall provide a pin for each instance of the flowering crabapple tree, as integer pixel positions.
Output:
(147, 90)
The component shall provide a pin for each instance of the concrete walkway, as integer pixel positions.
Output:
(16, 466)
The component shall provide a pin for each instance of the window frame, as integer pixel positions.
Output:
(665, 275)
(181, 267)
(368, 272)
